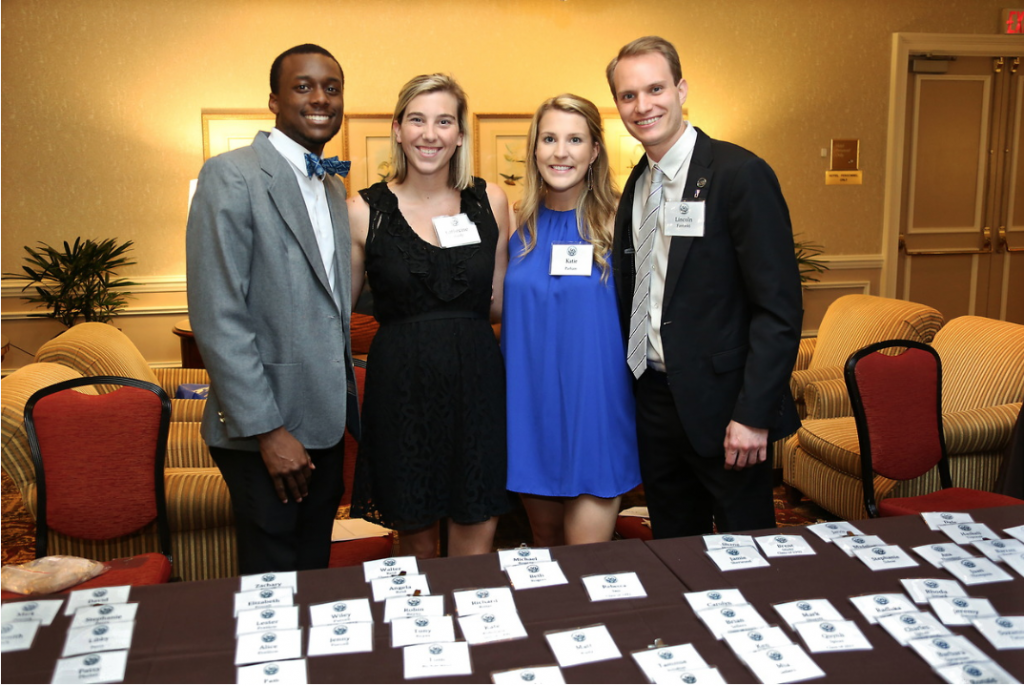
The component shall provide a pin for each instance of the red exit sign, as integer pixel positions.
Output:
(1013, 21)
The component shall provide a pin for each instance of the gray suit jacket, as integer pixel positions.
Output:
(274, 337)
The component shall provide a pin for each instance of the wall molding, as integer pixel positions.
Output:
(864, 286)
(840, 262)
(10, 288)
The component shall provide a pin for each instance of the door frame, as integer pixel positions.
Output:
(903, 45)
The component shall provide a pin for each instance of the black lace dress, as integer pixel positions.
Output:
(433, 442)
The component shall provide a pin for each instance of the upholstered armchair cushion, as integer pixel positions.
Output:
(980, 430)
(826, 399)
(97, 349)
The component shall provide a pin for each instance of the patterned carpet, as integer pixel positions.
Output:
(18, 528)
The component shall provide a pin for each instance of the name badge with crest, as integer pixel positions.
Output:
(572, 259)
(684, 218)
(455, 231)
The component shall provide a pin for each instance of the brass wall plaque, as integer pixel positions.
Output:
(845, 154)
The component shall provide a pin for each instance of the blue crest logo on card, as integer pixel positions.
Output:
(908, 620)
(413, 602)
(960, 602)
(422, 621)
(488, 618)
(29, 607)
(881, 600)
(728, 539)
(483, 594)
(968, 564)
(755, 636)
(732, 551)
(269, 577)
(523, 552)
(878, 551)
(340, 630)
(271, 670)
(931, 583)
(398, 580)
(390, 562)
(268, 637)
(91, 660)
(571, 251)
(268, 614)
(728, 613)
(827, 627)
(805, 606)
(998, 544)
(941, 644)
(7, 628)
(266, 594)
(340, 607)
(1005, 623)
(858, 540)
(971, 670)
(99, 593)
(100, 630)
(611, 579)
(687, 678)
(964, 527)
(105, 609)
(714, 595)
(665, 654)
(435, 649)
(946, 516)
(780, 539)
(527, 676)
(775, 656)
(939, 548)
(533, 569)
(832, 526)
(579, 637)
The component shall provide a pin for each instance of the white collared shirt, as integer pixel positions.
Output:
(313, 194)
(675, 165)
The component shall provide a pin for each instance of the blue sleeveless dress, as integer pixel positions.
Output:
(571, 413)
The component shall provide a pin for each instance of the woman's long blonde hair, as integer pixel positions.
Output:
(595, 208)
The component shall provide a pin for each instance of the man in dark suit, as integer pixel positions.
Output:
(710, 304)
(269, 295)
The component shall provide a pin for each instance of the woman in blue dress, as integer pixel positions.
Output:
(572, 448)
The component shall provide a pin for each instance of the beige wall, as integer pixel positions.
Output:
(102, 99)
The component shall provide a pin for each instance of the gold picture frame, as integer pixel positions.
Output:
(499, 151)
(228, 129)
(367, 144)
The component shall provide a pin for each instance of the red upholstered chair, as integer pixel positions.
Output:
(897, 406)
(99, 463)
(354, 552)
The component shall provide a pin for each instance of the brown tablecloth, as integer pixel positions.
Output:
(185, 631)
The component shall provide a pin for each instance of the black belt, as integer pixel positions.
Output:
(434, 316)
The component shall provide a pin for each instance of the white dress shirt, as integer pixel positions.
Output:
(314, 195)
(675, 165)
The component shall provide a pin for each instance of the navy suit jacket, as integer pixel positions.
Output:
(732, 307)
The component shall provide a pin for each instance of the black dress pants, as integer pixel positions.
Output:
(280, 537)
(689, 494)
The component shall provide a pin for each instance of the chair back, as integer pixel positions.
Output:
(99, 460)
(855, 321)
(897, 406)
(351, 445)
(982, 363)
(97, 349)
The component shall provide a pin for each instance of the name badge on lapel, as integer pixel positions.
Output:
(455, 231)
(572, 259)
(684, 218)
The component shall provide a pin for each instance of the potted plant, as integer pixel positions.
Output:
(77, 282)
(806, 252)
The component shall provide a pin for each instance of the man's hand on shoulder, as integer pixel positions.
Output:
(287, 462)
(745, 446)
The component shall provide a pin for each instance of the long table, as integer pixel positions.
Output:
(185, 632)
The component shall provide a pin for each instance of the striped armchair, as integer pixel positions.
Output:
(850, 323)
(982, 389)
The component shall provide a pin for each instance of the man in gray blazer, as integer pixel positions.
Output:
(269, 295)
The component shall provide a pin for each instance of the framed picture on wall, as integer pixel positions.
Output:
(367, 143)
(225, 130)
(624, 151)
(499, 150)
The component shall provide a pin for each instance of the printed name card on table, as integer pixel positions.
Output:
(884, 557)
(475, 600)
(396, 586)
(390, 566)
(492, 626)
(923, 590)
(522, 555)
(258, 582)
(1000, 548)
(16, 636)
(828, 531)
(832, 636)
(583, 645)
(780, 545)
(722, 620)
(935, 520)
(729, 559)
(976, 673)
(95, 668)
(968, 532)
(268, 597)
(714, 542)
(94, 639)
(436, 660)
(545, 674)
(782, 665)
(338, 639)
(413, 606)
(267, 619)
(676, 664)
(756, 639)
(960, 611)
(976, 570)
(906, 626)
(718, 597)
(267, 646)
(614, 586)
(111, 595)
(939, 651)
(877, 605)
(341, 612)
(536, 575)
(817, 609)
(1016, 563)
(31, 610)
(284, 672)
(937, 553)
(850, 543)
(1004, 633)
(104, 614)
(407, 631)
(1016, 531)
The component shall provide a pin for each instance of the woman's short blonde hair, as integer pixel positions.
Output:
(460, 173)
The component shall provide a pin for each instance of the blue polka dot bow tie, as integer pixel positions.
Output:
(326, 165)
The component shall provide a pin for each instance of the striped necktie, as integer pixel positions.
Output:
(637, 351)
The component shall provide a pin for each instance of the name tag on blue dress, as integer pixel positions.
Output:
(572, 259)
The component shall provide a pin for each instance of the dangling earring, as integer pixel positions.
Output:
(590, 177)
(541, 181)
